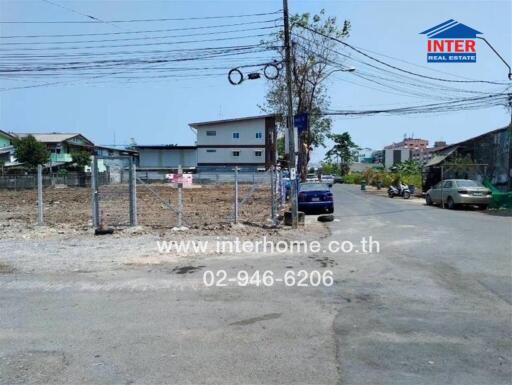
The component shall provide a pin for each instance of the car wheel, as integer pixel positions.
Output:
(407, 195)
(428, 200)
(482, 207)
(450, 203)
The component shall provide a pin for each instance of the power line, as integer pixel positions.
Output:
(79, 13)
(457, 105)
(140, 32)
(395, 67)
(398, 83)
(143, 20)
(136, 38)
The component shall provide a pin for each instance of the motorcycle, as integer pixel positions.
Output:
(400, 190)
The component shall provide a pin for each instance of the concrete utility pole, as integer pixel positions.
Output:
(289, 119)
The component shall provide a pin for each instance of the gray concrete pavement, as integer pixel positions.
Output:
(433, 307)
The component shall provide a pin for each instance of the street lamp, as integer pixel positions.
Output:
(343, 69)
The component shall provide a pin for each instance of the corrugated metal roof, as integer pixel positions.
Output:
(440, 158)
(53, 137)
(6, 134)
(49, 138)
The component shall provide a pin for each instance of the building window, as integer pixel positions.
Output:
(211, 133)
(236, 135)
(211, 150)
(258, 153)
(259, 135)
(236, 153)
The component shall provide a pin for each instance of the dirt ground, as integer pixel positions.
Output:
(69, 209)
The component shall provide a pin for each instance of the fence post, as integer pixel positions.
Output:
(133, 192)
(273, 195)
(40, 221)
(236, 194)
(180, 195)
(94, 190)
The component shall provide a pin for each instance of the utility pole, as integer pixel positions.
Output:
(289, 118)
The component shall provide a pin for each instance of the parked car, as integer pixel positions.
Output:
(312, 178)
(338, 179)
(327, 179)
(315, 197)
(458, 192)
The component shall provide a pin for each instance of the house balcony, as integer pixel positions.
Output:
(60, 158)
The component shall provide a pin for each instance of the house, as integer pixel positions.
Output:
(486, 157)
(61, 145)
(6, 148)
(249, 143)
(155, 161)
(115, 161)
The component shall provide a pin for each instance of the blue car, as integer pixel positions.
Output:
(315, 197)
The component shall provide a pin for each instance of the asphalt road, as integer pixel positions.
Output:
(433, 306)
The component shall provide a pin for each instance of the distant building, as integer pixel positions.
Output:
(61, 145)
(408, 143)
(378, 156)
(489, 159)
(249, 143)
(365, 155)
(424, 155)
(6, 148)
(115, 161)
(420, 152)
(394, 156)
(155, 161)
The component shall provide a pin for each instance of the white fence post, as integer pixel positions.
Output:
(40, 220)
(236, 194)
(180, 195)
(133, 193)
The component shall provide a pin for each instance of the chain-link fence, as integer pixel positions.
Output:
(212, 199)
(114, 196)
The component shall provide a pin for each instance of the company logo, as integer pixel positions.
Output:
(451, 42)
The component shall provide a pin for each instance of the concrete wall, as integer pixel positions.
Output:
(225, 155)
(224, 133)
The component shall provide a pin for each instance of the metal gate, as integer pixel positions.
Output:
(114, 202)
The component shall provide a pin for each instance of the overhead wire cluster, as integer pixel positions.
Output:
(202, 47)
(453, 93)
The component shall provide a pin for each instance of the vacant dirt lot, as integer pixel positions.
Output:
(204, 207)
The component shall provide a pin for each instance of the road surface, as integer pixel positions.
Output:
(433, 306)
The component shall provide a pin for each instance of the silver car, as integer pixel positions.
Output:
(458, 192)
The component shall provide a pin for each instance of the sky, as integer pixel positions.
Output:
(157, 110)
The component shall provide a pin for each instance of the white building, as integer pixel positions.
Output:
(394, 156)
(249, 143)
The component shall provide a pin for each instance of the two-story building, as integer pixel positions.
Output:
(248, 143)
(61, 145)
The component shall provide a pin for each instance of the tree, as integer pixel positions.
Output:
(330, 168)
(81, 158)
(409, 167)
(31, 152)
(344, 151)
(313, 61)
(280, 147)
